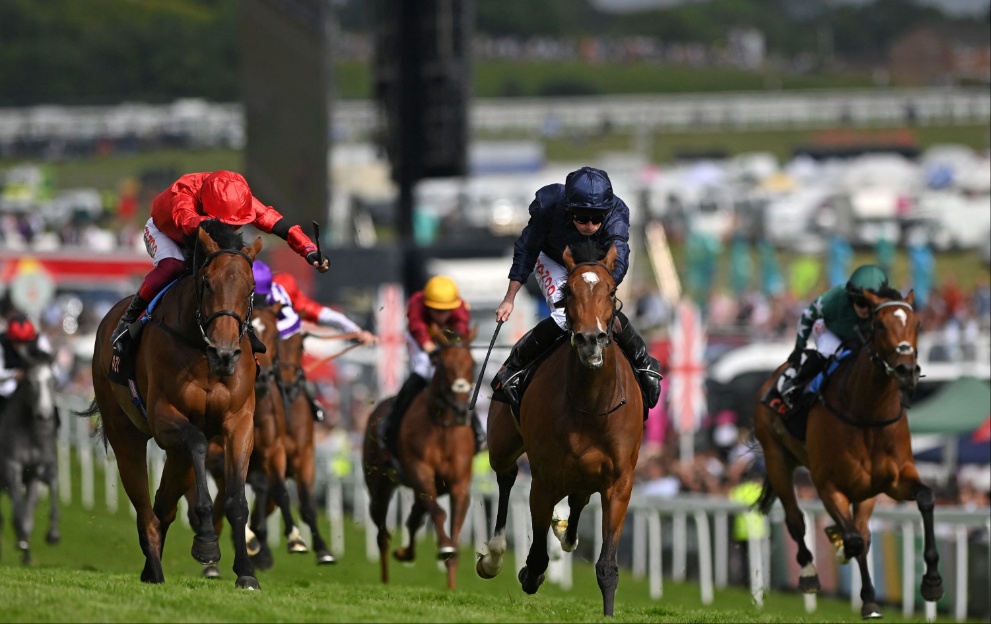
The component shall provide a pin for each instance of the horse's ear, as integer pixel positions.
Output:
(610, 259)
(569, 261)
(253, 250)
(910, 298)
(872, 299)
(209, 245)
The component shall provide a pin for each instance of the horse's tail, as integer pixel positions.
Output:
(767, 497)
(89, 412)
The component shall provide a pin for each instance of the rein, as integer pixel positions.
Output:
(622, 400)
(878, 359)
(199, 295)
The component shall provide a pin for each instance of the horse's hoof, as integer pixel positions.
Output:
(297, 547)
(211, 571)
(809, 584)
(253, 546)
(853, 546)
(524, 579)
(404, 554)
(263, 560)
(25, 557)
(324, 557)
(53, 538)
(486, 572)
(205, 552)
(247, 582)
(932, 590)
(870, 611)
(446, 553)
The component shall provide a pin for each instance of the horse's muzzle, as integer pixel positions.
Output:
(590, 347)
(907, 375)
(222, 360)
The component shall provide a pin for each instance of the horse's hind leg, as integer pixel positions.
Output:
(380, 492)
(780, 482)
(490, 564)
(838, 506)
(460, 498)
(130, 448)
(861, 516)
(308, 510)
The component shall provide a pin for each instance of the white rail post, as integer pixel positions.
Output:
(598, 527)
(705, 556)
(335, 514)
(521, 532)
(63, 450)
(85, 450)
(679, 543)
(721, 549)
(477, 519)
(810, 542)
(371, 531)
(654, 572)
(755, 559)
(639, 545)
(908, 569)
(960, 600)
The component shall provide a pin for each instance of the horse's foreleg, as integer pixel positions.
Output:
(566, 531)
(305, 479)
(12, 472)
(780, 480)
(238, 443)
(861, 518)
(54, 536)
(910, 487)
(531, 575)
(186, 447)
(846, 539)
(413, 523)
(459, 497)
(490, 564)
(615, 501)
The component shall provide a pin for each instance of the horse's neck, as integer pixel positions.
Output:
(596, 390)
(183, 313)
(870, 393)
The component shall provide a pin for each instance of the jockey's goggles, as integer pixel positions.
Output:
(585, 219)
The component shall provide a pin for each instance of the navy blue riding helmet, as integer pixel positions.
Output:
(588, 190)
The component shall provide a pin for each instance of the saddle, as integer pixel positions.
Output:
(524, 378)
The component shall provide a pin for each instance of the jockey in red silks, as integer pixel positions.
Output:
(176, 215)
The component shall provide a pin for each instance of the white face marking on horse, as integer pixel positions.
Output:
(599, 325)
(259, 325)
(591, 279)
(900, 315)
(461, 386)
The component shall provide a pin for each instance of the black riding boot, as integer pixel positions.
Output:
(811, 365)
(131, 315)
(647, 368)
(479, 431)
(413, 386)
(318, 412)
(533, 343)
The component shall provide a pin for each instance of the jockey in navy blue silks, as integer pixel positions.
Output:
(563, 215)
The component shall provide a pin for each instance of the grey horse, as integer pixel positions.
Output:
(28, 428)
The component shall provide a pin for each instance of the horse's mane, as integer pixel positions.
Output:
(887, 292)
(588, 250)
(224, 235)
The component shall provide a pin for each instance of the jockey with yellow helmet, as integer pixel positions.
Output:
(440, 305)
(176, 215)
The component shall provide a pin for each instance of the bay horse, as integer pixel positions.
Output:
(581, 426)
(435, 447)
(267, 465)
(28, 429)
(300, 447)
(857, 447)
(195, 375)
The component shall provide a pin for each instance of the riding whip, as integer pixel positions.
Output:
(478, 384)
(316, 240)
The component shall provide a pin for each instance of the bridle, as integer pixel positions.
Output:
(881, 359)
(878, 359)
(617, 304)
(445, 400)
(200, 322)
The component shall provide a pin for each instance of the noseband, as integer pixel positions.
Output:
(203, 324)
(445, 400)
(881, 359)
(617, 304)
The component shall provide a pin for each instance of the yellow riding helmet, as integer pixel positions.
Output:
(441, 293)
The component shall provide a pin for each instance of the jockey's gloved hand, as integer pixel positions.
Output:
(795, 359)
(315, 257)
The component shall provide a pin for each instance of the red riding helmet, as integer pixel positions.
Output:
(227, 198)
(20, 329)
